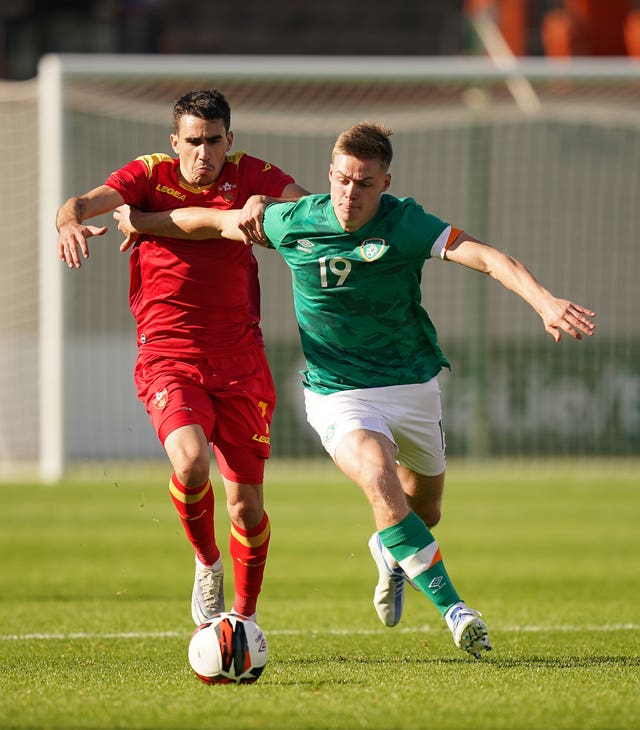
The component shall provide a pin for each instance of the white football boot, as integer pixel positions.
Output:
(208, 592)
(468, 629)
(388, 597)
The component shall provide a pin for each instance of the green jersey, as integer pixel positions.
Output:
(357, 295)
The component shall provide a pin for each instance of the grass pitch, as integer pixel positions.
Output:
(96, 582)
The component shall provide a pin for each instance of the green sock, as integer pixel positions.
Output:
(414, 547)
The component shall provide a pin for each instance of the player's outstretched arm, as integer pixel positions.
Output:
(558, 315)
(251, 215)
(188, 223)
(72, 243)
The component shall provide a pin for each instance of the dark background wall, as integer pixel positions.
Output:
(30, 28)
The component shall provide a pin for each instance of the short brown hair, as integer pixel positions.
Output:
(207, 104)
(365, 140)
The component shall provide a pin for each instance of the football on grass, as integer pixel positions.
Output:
(228, 649)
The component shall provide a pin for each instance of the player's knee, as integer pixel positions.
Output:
(245, 513)
(192, 469)
(378, 474)
(385, 495)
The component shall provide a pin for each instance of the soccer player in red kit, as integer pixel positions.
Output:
(201, 370)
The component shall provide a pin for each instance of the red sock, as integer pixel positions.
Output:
(248, 550)
(195, 507)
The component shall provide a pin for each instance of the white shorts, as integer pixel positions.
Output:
(408, 415)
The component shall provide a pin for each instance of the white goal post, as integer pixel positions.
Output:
(464, 148)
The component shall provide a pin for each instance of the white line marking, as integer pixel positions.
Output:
(80, 635)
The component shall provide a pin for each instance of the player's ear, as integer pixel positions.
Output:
(173, 138)
(229, 139)
(387, 181)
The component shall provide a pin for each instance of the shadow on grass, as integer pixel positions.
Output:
(571, 662)
(492, 660)
(324, 670)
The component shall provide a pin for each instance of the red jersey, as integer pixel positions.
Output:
(194, 298)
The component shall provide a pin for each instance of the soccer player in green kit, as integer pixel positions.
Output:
(371, 387)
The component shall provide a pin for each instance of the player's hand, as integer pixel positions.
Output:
(122, 214)
(72, 242)
(250, 220)
(562, 315)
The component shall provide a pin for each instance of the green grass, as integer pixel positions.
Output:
(95, 620)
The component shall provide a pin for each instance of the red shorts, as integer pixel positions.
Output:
(231, 398)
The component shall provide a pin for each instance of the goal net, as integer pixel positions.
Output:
(554, 181)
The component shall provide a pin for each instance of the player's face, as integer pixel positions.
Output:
(201, 145)
(356, 187)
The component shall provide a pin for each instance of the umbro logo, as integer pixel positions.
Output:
(305, 245)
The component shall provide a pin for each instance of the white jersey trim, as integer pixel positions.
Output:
(440, 244)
